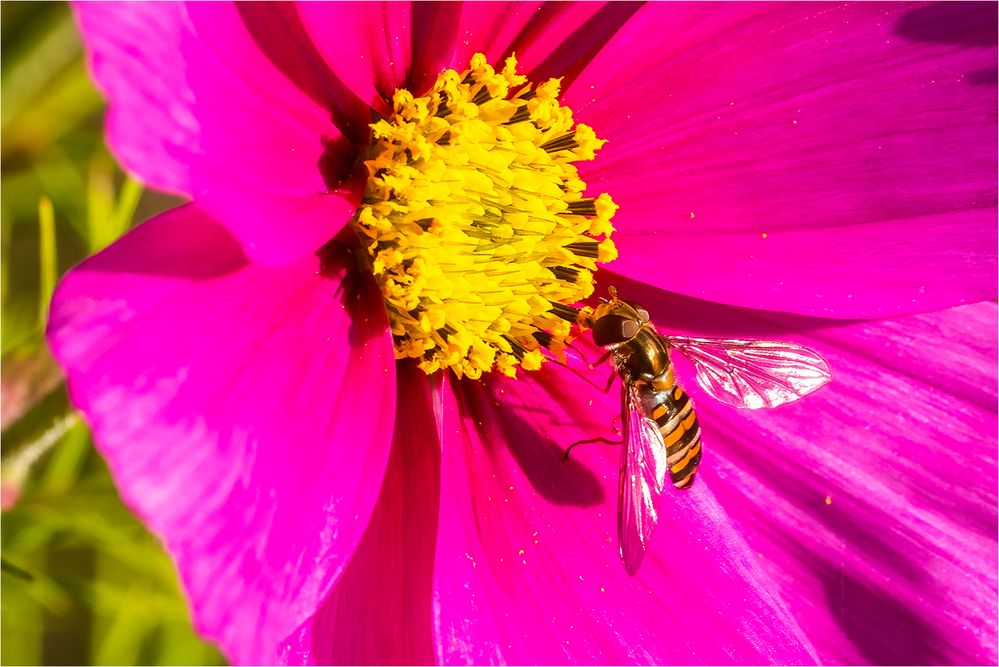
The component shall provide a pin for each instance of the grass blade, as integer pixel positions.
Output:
(48, 264)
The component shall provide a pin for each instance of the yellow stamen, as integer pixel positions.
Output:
(474, 216)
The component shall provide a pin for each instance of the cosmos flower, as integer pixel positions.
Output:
(823, 174)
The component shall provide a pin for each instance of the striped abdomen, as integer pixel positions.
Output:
(671, 409)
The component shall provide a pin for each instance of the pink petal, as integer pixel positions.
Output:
(873, 501)
(399, 44)
(553, 39)
(380, 611)
(562, 39)
(835, 160)
(223, 396)
(368, 43)
(527, 569)
(133, 56)
(198, 106)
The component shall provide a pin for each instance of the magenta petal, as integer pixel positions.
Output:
(150, 127)
(222, 396)
(834, 160)
(368, 43)
(380, 611)
(400, 44)
(527, 568)
(198, 107)
(381, 46)
(376, 47)
(448, 34)
(874, 500)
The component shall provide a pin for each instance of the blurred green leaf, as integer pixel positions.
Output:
(101, 587)
(66, 461)
(109, 216)
(124, 212)
(133, 618)
(48, 269)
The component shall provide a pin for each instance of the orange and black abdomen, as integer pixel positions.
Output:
(673, 413)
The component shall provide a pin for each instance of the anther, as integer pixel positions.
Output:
(518, 350)
(482, 96)
(565, 142)
(544, 338)
(520, 116)
(566, 273)
(586, 207)
(584, 248)
(567, 313)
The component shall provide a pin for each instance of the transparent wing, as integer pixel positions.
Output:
(643, 474)
(754, 373)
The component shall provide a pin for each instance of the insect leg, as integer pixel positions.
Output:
(594, 364)
(602, 439)
(615, 424)
(605, 388)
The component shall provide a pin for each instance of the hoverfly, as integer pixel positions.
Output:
(660, 430)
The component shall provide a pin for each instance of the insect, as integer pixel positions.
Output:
(660, 430)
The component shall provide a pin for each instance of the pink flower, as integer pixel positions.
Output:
(814, 173)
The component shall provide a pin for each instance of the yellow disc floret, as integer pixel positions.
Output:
(479, 233)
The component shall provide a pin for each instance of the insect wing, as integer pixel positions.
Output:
(754, 373)
(642, 476)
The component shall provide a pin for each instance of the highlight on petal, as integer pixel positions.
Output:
(223, 397)
(831, 160)
(380, 611)
(872, 501)
(527, 567)
(202, 104)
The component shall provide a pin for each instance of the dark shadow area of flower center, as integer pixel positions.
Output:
(356, 289)
(338, 161)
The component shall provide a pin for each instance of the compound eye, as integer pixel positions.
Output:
(643, 315)
(613, 329)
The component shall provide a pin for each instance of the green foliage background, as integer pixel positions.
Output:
(82, 582)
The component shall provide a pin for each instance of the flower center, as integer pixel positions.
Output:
(474, 216)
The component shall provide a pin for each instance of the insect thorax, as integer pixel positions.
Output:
(643, 358)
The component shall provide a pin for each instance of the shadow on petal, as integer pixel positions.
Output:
(962, 23)
(195, 249)
(278, 31)
(672, 312)
(531, 433)
(854, 605)
(967, 24)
